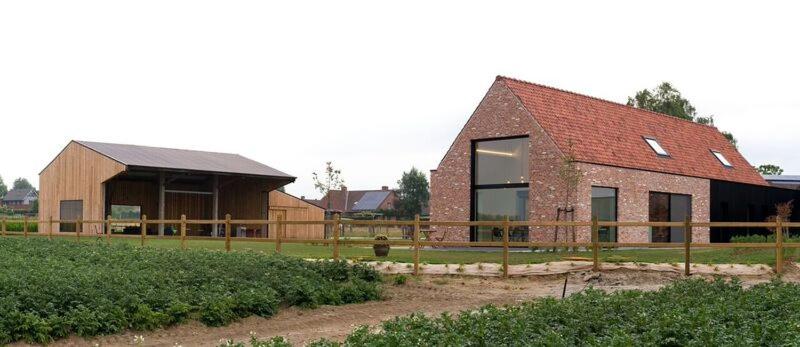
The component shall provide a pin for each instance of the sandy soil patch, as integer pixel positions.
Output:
(432, 295)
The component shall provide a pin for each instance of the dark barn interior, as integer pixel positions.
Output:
(167, 195)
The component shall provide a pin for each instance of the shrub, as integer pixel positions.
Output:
(400, 280)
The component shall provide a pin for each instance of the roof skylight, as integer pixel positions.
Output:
(656, 147)
(722, 159)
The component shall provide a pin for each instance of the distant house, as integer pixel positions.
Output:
(20, 200)
(350, 202)
(781, 181)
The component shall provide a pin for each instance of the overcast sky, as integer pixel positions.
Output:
(374, 88)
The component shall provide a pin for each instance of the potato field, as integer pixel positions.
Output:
(51, 289)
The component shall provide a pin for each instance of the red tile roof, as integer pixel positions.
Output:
(608, 133)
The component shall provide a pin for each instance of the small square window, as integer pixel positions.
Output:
(656, 147)
(722, 159)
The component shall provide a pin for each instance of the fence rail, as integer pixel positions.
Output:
(337, 224)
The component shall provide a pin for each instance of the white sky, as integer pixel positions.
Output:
(375, 88)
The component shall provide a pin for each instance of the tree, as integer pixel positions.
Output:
(664, 99)
(769, 169)
(667, 100)
(3, 188)
(413, 193)
(330, 180)
(22, 183)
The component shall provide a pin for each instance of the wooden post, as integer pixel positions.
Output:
(778, 245)
(278, 234)
(144, 228)
(108, 229)
(25, 227)
(687, 246)
(78, 228)
(228, 232)
(505, 247)
(3, 226)
(183, 231)
(595, 244)
(336, 226)
(50, 228)
(416, 245)
(161, 197)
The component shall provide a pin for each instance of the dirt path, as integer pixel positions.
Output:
(430, 295)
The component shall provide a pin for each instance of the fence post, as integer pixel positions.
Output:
(78, 228)
(595, 244)
(778, 245)
(687, 246)
(25, 227)
(4, 226)
(108, 230)
(505, 247)
(144, 228)
(50, 228)
(228, 232)
(278, 234)
(183, 231)
(416, 245)
(336, 226)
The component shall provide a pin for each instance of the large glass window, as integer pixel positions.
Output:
(500, 187)
(501, 161)
(604, 207)
(497, 204)
(665, 207)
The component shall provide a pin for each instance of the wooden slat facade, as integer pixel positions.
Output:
(77, 173)
(80, 173)
(292, 208)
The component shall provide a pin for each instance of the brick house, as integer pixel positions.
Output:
(633, 164)
(20, 199)
(350, 202)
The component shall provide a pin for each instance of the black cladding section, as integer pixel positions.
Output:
(737, 202)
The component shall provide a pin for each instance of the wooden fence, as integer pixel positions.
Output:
(416, 243)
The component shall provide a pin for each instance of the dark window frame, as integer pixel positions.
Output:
(72, 226)
(669, 210)
(473, 231)
(616, 208)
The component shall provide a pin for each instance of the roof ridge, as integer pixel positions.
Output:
(156, 147)
(603, 100)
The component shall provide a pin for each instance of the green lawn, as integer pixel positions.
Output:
(477, 255)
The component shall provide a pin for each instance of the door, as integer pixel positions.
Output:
(69, 210)
(273, 215)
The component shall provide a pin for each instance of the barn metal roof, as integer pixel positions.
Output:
(183, 159)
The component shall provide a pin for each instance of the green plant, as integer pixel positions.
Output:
(400, 280)
(690, 312)
(51, 289)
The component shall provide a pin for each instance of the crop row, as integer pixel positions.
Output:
(690, 312)
(51, 289)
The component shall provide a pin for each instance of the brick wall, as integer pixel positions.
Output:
(500, 114)
(633, 198)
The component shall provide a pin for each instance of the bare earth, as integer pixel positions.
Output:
(428, 294)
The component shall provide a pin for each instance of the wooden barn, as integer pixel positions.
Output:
(91, 180)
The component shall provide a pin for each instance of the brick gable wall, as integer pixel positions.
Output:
(500, 114)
